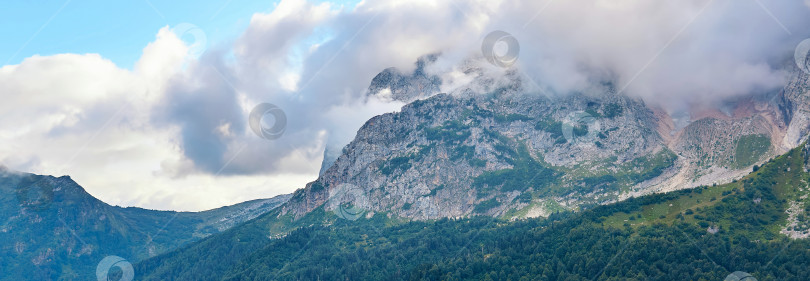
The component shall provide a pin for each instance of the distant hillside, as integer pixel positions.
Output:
(52, 229)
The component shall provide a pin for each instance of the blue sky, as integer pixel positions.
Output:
(118, 30)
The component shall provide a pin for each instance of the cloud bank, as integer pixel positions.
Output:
(172, 133)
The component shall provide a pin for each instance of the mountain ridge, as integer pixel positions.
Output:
(54, 229)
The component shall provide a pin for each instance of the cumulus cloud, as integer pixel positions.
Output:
(172, 133)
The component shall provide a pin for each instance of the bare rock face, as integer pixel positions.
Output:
(392, 84)
(493, 147)
(795, 104)
(717, 148)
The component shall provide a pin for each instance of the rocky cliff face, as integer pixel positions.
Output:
(392, 84)
(717, 146)
(795, 105)
(509, 152)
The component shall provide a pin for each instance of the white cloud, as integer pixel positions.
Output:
(80, 115)
(663, 51)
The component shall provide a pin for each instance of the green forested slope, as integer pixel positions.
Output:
(700, 234)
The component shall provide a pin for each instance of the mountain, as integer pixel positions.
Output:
(53, 229)
(501, 148)
(692, 234)
(513, 152)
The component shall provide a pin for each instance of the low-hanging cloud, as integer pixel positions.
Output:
(664, 51)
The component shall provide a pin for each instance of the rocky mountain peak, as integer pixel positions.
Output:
(392, 84)
(498, 146)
